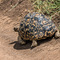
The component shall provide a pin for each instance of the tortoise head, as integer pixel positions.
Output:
(16, 29)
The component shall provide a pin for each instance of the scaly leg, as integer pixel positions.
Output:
(57, 34)
(21, 41)
(34, 43)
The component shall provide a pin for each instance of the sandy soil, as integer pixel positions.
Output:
(48, 49)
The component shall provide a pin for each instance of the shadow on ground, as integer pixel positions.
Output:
(18, 46)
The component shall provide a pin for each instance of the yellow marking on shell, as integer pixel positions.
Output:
(31, 27)
(34, 21)
(40, 35)
(39, 38)
(41, 28)
(35, 32)
(49, 32)
(36, 36)
(45, 33)
(53, 25)
(43, 22)
(33, 24)
(28, 20)
(26, 29)
(36, 14)
(32, 36)
(48, 24)
(27, 24)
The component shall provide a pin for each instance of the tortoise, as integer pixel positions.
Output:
(36, 26)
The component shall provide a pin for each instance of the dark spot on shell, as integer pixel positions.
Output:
(35, 18)
(21, 25)
(41, 30)
(22, 29)
(27, 26)
(36, 29)
(31, 34)
(31, 30)
(48, 33)
(36, 33)
(49, 29)
(43, 15)
(33, 26)
(27, 32)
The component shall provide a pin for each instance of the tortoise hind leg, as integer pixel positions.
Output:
(57, 34)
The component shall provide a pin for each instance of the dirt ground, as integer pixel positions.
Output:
(48, 49)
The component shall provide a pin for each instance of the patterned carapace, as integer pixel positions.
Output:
(36, 26)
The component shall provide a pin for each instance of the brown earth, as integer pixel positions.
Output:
(48, 49)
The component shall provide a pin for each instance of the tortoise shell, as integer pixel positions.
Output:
(36, 26)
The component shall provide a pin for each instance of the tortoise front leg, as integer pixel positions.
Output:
(34, 43)
(21, 41)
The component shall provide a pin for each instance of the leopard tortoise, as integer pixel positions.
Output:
(35, 27)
